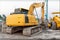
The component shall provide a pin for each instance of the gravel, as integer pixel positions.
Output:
(49, 34)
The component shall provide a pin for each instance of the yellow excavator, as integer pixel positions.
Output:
(23, 19)
(55, 22)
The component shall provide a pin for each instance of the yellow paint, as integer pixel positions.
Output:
(19, 19)
(56, 19)
(33, 6)
(49, 25)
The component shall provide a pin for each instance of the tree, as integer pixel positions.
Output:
(2, 18)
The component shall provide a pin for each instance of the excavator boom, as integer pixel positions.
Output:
(42, 7)
(35, 5)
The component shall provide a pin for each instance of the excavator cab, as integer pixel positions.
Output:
(20, 11)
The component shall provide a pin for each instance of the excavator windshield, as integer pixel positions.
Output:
(24, 11)
(20, 11)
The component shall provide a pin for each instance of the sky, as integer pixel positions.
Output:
(7, 7)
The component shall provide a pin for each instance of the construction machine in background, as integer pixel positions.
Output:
(55, 22)
(23, 19)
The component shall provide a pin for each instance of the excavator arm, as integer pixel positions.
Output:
(42, 10)
(33, 6)
(36, 5)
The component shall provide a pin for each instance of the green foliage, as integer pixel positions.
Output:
(2, 18)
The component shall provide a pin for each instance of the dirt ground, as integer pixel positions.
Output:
(48, 34)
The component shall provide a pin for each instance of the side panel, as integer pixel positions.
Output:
(26, 19)
(57, 20)
(21, 20)
(15, 20)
